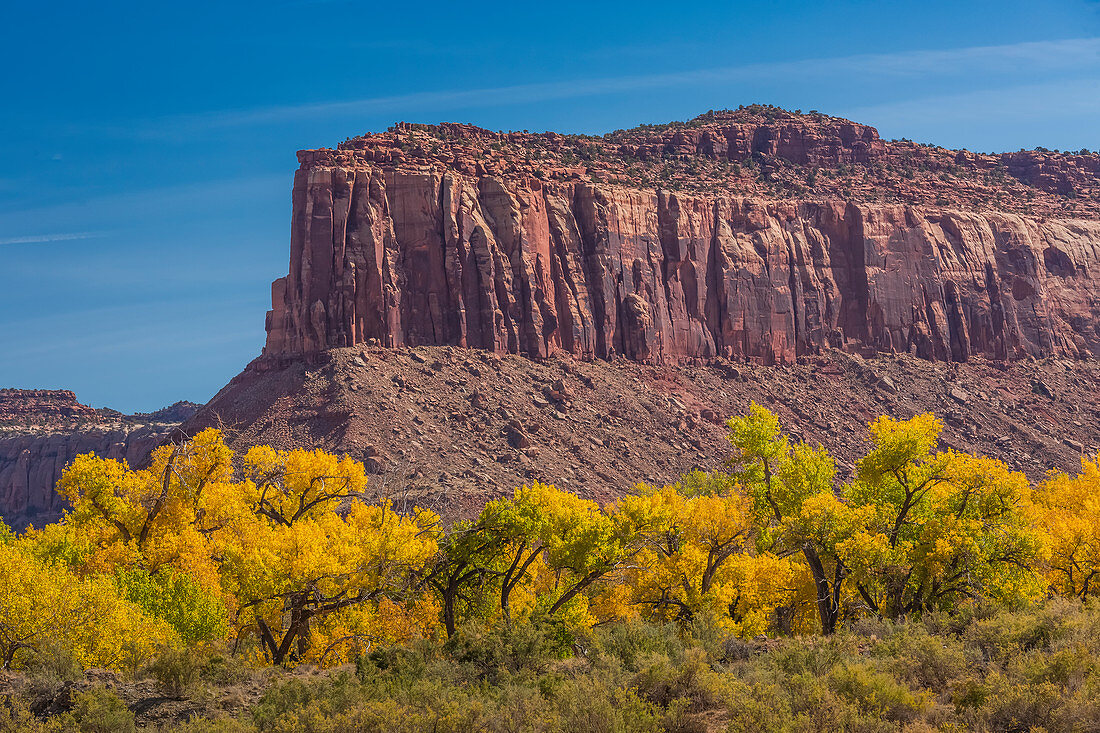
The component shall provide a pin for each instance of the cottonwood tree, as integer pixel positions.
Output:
(946, 526)
(572, 540)
(287, 543)
(1069, 510)
(794, 504)
(695, 556)
(43, 603)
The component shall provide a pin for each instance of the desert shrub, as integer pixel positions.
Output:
(691, 683)
(1078, 712)
(762, 709)
(735, 649)
(629, 642)
(818, 707)
(872, 627)
(100, 710)
(816, 656)
(178, 671)
(297, 704)
(924, 660)
(599, 705)
(213, 725)
(1013, 706)
(979, 670)
(1068, 669)
(876, 693)
(400, 662)
(54, 660)
(16, 717)
(494, 652)
(708, 632)
(223, 668)
(1004, 635)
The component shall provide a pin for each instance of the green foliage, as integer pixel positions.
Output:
(194, 612)
(986, 669)
(490, 652)
(178, 671)
(100, 710)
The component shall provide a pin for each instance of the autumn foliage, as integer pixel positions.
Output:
(286, 557)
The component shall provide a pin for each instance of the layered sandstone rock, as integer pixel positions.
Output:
(42, 431)
(42, 407)
(520, 265)
(31, 465)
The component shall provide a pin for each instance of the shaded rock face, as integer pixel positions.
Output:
(42, 431)
(406, 258)
(31, 465)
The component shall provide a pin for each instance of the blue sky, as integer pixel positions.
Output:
(147, 149)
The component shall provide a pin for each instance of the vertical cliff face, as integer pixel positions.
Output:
(526, 266)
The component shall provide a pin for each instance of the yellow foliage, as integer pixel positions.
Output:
(289, 551)
(285, 486)
(945, 527)
(693, 560)
(272, 546)
(1069, 510)
(42, 601)
(319, 565)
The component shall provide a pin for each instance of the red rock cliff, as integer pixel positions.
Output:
(435, 244)
(42, 431)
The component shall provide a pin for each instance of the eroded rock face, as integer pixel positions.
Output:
(42, 431)
(42, 407)
(31, 465)
(441, 257)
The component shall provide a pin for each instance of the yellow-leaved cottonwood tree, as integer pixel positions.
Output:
(946, 527)
(695, 537)
(1069, 509)
(794, 504)
(273, 544)
(279, 552)
(42, 602)
(916, 530)
(541, 527)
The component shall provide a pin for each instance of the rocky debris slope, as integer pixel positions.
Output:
(450, 427)
(454, 235)
(42, 431)
(153, 706)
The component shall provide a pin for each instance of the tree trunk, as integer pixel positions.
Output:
(450, 591)
(827, 609)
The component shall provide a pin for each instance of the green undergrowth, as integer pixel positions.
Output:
(981, 670)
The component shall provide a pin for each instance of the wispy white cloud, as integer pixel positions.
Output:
(1059, 100)
(43, 238)
(140, 205)
(1030, 57)
(1079, 96)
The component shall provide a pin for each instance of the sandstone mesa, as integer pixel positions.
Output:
(691, 242)
(755, 235)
